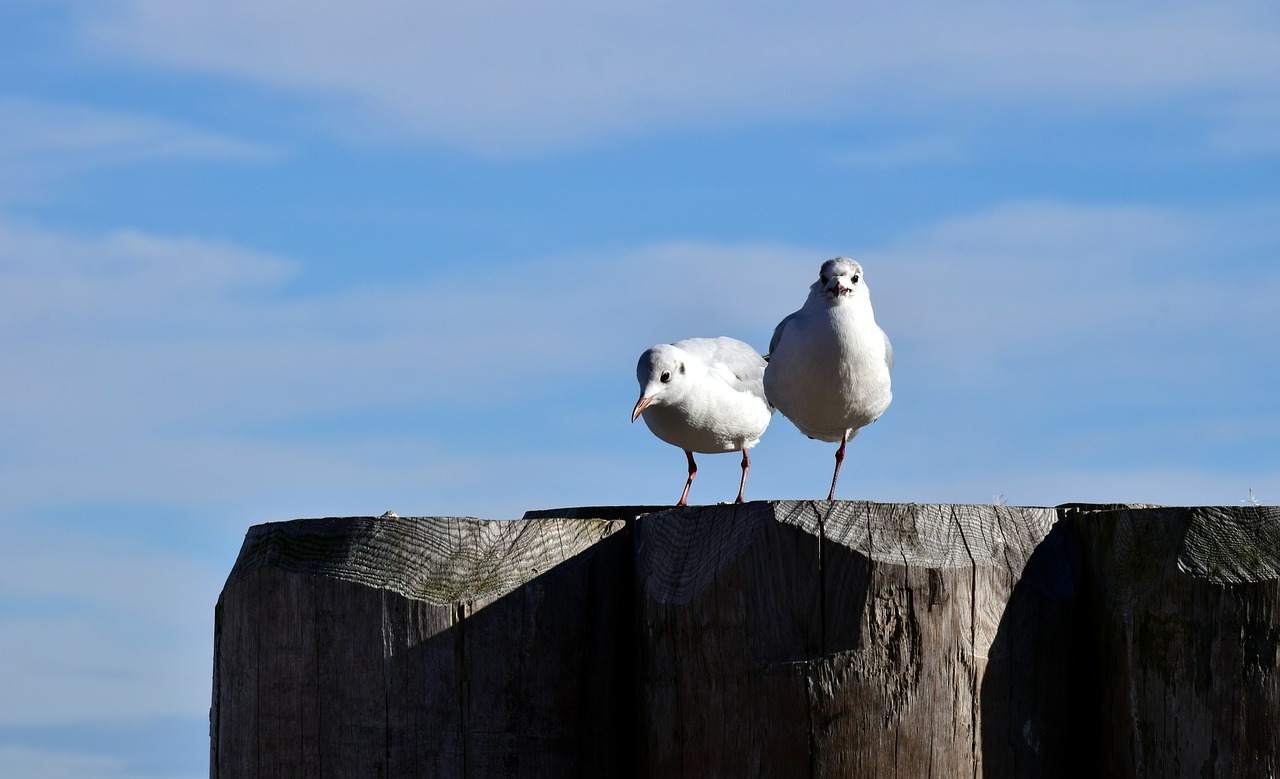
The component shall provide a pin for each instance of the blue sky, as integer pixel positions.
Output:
(261, 261)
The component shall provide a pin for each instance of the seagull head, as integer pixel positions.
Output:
(840, 278)
(661, 373)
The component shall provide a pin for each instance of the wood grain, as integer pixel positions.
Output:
(769, 639)
(1186, 606)
(425, 647)
(844, 639)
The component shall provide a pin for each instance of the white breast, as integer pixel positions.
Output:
(828, 372)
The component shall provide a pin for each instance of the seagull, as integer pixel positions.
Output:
(829, 362)
(704, 395)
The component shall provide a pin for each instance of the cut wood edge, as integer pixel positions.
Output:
(434, 559)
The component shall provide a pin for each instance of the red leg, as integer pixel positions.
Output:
(746, 466)
(839, 460)
(693, 471)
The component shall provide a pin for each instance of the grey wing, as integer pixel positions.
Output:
(703, 348)
(777, 331)
(743, 365)
(888, 350)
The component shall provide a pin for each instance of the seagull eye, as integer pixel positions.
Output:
(855, 278)
(665, 377)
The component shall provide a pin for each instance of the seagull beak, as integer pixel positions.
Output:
(641, 405)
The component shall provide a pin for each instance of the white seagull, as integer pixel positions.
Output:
(704, 395)
(829, 362)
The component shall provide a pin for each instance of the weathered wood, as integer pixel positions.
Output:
(790, 639)
(852, 639)
(728, 605)
(432, 647)
(1186, 636)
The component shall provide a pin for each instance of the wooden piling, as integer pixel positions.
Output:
(779, 639)
(1185, 605)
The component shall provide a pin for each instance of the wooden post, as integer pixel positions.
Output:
(852, 639)
(1186, 639)
(787, 639)
(425, 647)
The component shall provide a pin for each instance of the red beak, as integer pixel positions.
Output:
(641, 405)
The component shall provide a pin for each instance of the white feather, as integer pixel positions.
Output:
(713, 400)
(829, 362)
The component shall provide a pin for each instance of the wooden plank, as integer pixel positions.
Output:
(1187, 640)
(287, 711)
(1036, 707)
(847, 639)
(915, 599)
(726, 601)
(369, 647)
(548, 669)
(897, 684)
(349, 683)
(234, 746)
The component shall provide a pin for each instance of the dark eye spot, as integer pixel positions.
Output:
(855, 278)
(666, 377)
(681, 369)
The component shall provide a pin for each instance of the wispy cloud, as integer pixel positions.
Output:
(166, 372)
(1167, 486)
(75, 603)
(174, 365)
(157, 368)
(903, 152)
(1054, 341)
(28, 763)
(506, 76)
(43, 142)
(157, 748)
(1250, 127)
(1024, 275)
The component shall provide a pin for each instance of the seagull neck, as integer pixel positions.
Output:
(856, 307)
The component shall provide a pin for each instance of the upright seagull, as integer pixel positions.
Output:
(704, 395)
(829, 362)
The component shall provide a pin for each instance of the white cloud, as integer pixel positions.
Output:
(1250, 127)
(39, 128)
(127, 578)
(71, 669)
(43, 141)
(99, 627)
(149, 369)
(501, 76)
(22, 763)
(1031, 487)
(1108, 288)
(160, 370)
(168, 372)
(903, 152)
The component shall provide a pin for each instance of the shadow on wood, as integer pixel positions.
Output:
(1037, 704)
(1186, 639)
(849, 639)
(431, 647)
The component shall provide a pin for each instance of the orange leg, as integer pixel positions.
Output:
(693, 471)
(746, 466)
(839, 461)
